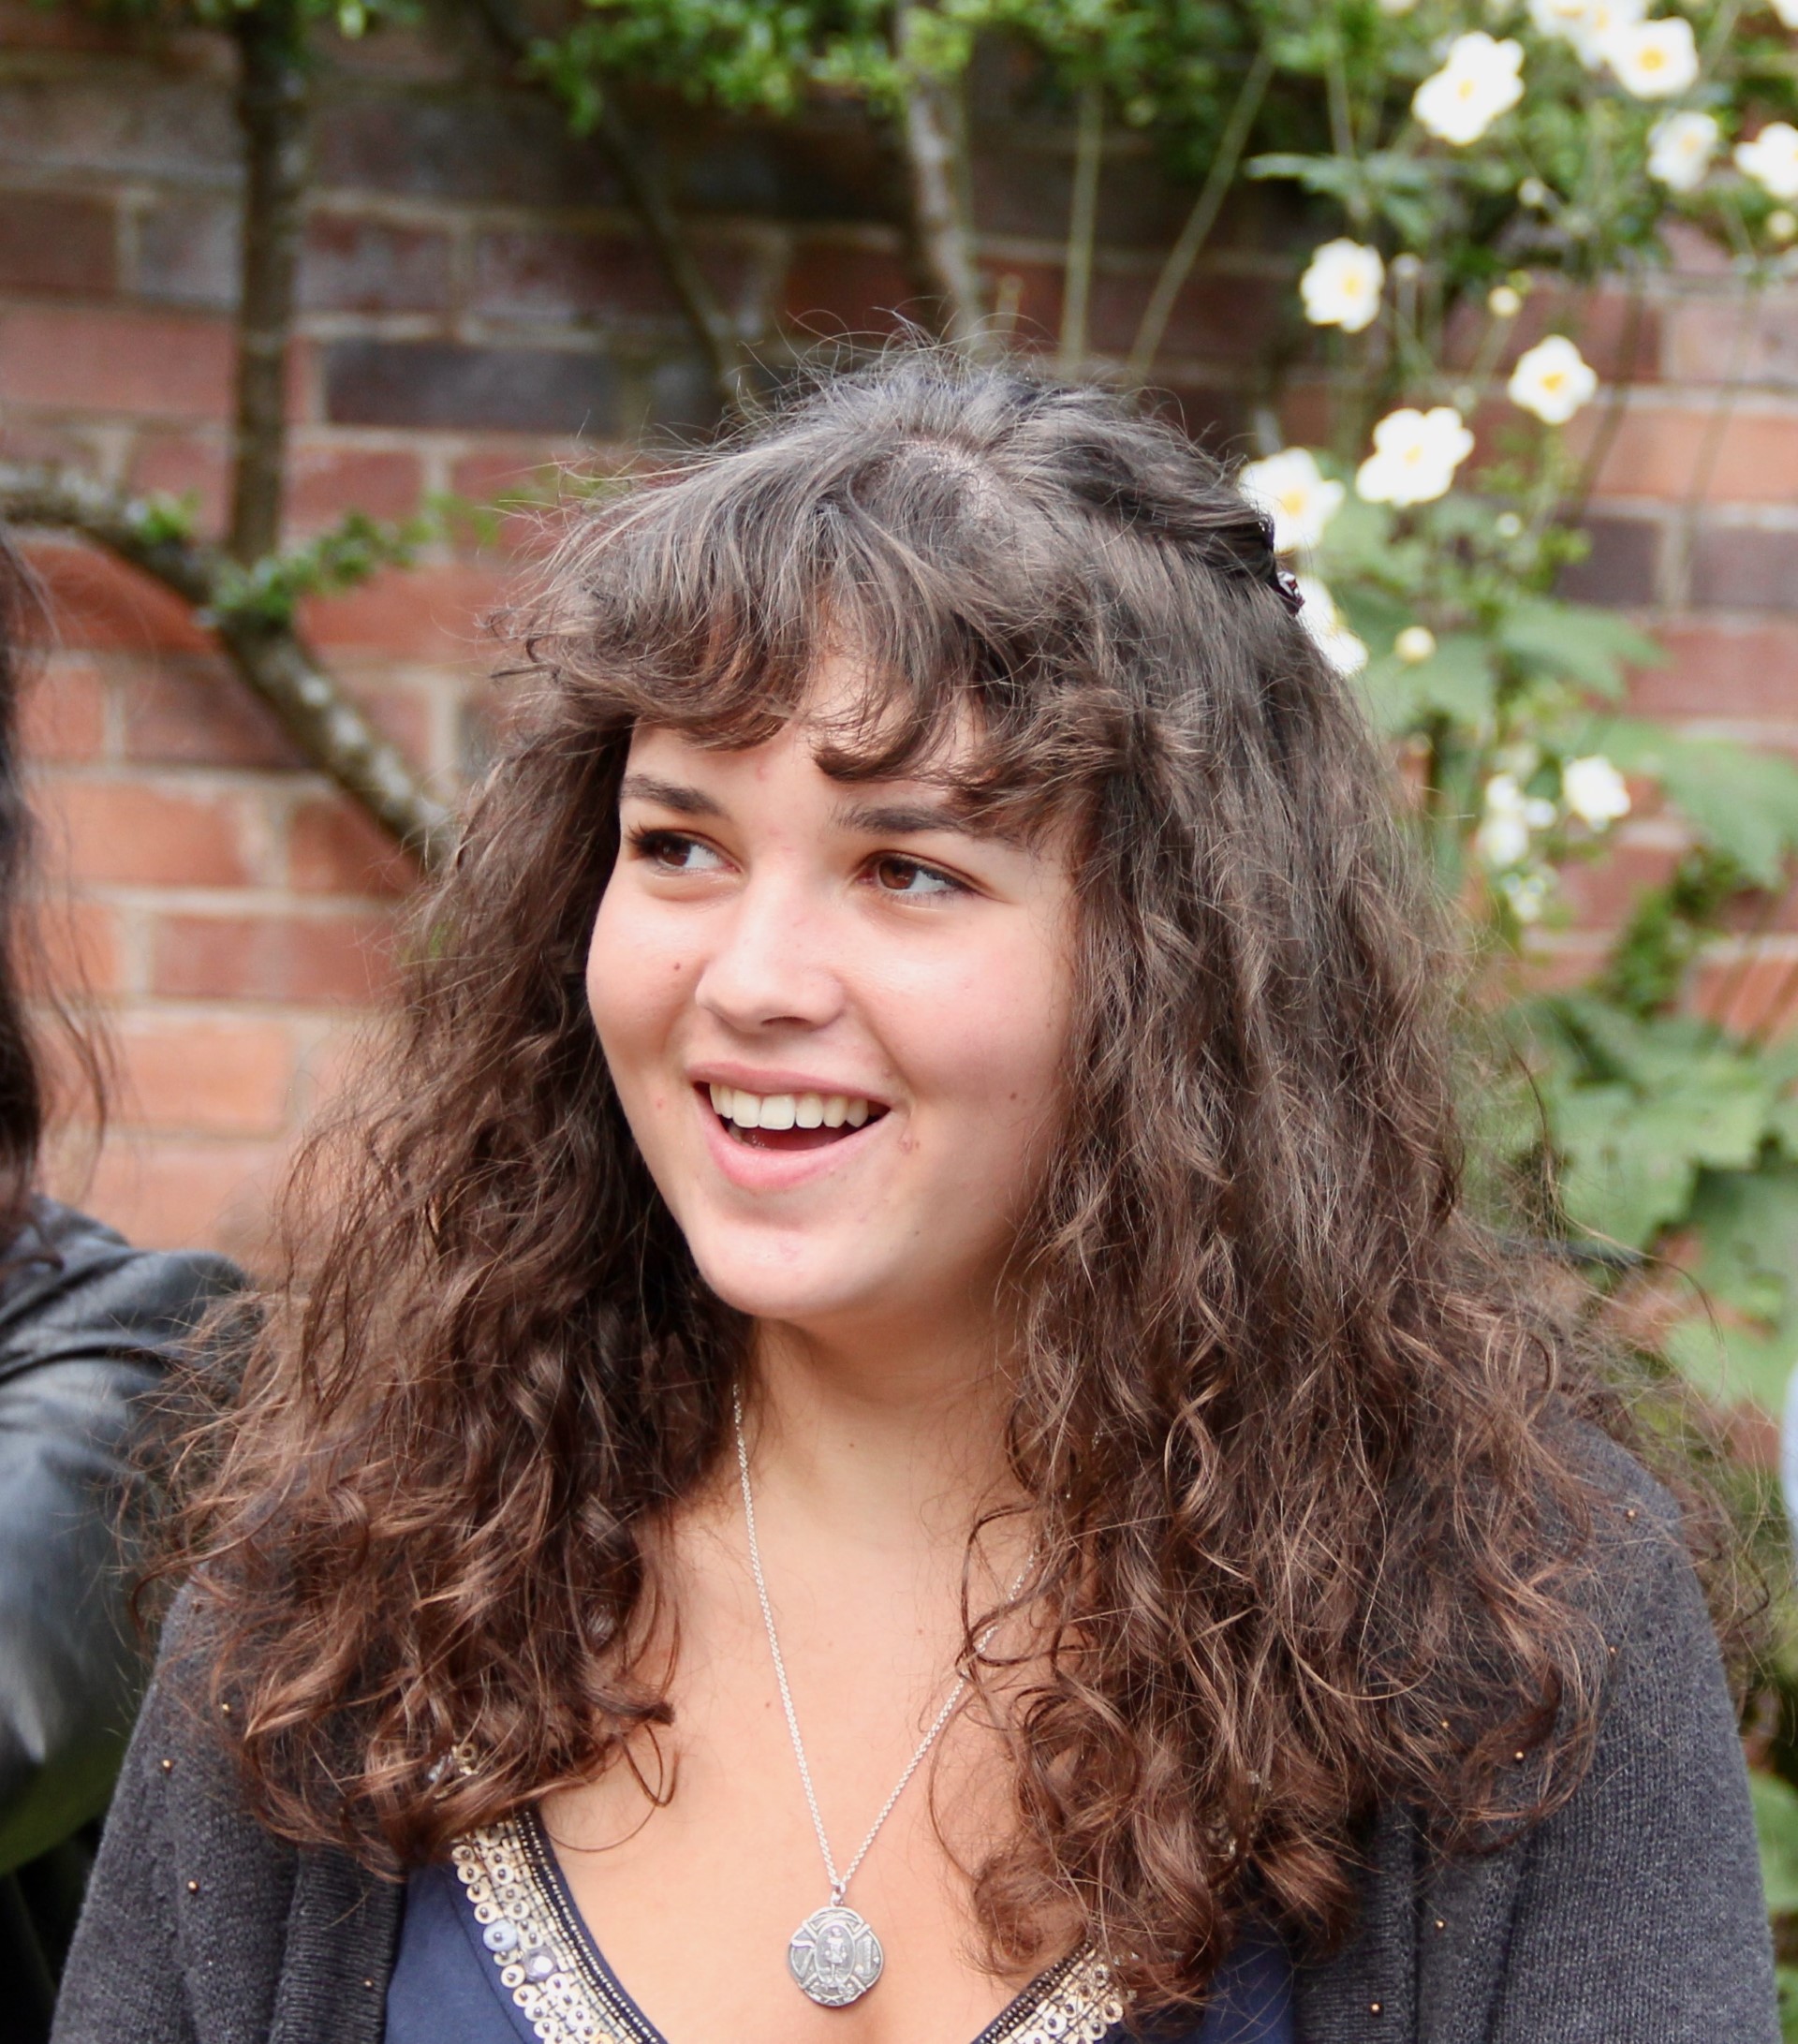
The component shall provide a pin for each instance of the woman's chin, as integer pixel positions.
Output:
(804, 1292)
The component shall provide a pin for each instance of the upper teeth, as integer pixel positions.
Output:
(789, 1109)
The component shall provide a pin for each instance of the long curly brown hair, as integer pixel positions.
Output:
(1305, 1444)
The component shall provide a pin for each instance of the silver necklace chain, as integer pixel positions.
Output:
(839, 1882)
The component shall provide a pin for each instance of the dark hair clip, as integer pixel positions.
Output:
(1281, 580)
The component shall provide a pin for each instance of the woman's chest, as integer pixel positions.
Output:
(695, 1865)
(492, 1951)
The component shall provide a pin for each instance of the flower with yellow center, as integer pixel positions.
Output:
(1509, 816)
(1341, 286)
(1327, 625)
(1680, 148)
(1480, 80)
(1586, 23)
(1553, 380)
(1415, 456)
(1771, 159)
(1594, 790)
(1296, 495)
(1653, 60)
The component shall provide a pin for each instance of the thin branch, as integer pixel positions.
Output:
(728, 356)
(272, 659)
(274, 107)
(1610, 419)
(933, 148)
(732, 364)
(1083, 222)
(1204, 216)
(1677, 572)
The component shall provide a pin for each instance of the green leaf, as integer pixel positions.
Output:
(1573, 642)
(1741, 1340)
(1334, 176)
(1786, 1978)
(1732, 1365)
(161, 518)
(1626, 1172)
(1743, 802)
(1748, 1221)
(1776, 1822)
(1659, 1101)
(1458, 681)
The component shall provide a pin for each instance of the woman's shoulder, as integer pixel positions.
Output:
(65, 1273)
(196, 1907)
(1643, 1542)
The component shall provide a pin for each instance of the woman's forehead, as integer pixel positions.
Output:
(850, 716)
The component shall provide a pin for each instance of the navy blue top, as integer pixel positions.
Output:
(446, 1986)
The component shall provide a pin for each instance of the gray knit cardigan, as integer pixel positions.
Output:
(1633, 1915)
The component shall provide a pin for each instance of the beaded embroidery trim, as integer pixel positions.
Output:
(547, 1964)
(1073, 2003)
(542, 1959)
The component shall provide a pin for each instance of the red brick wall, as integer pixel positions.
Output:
(478, 305)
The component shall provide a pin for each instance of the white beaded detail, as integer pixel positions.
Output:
(545, 1964)
(1074, 2003)
(540, 1960)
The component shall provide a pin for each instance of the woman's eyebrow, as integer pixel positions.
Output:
(908, 820)
(674, 795)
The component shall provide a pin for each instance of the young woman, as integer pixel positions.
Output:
(900, 1428)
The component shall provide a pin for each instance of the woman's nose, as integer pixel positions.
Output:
(773, 962)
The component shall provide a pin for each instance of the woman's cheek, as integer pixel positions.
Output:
(635, 970)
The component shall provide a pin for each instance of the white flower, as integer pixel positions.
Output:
(1771, 159)
(1680, 148)
(1527, 893)
(1290, 489)
(1653, 60)
(1415, 456)
(1533, 193)
(1788, 12)
(1508, 525)
(1504, 302)
(1563, 18)
(1781, 225)
(1553, 380)
(1396, 7)
(1586, 23)
(1330, 628)
(1503, 836)
(1594, 790)
(1479, 80)
(1341, 286)
(1414, 644)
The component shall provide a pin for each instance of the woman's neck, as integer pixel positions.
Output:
(878, 1445)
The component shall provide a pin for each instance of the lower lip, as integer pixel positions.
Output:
(775, 1170)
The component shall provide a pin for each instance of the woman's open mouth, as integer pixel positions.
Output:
(790, 1120)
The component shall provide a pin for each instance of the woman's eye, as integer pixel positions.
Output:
(670, 851)
(894, 875)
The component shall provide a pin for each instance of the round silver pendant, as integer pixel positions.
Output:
(834, 1956)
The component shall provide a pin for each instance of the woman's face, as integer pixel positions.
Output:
(837, 1021)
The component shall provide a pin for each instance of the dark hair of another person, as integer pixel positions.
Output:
(21, 1086)
(1315, 1526)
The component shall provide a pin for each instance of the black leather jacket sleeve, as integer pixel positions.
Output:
(88, 1325)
